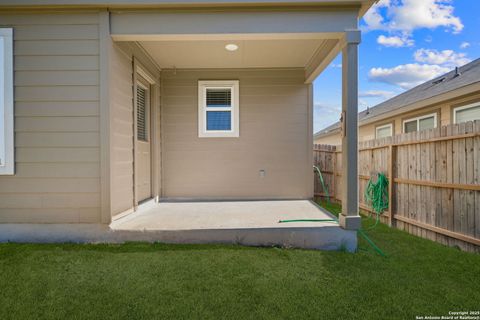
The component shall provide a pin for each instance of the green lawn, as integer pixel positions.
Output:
(146, 281)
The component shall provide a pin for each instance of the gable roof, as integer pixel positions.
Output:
(468, 74)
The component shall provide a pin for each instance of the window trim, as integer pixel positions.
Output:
(420, 118)
(388, 125)
(468, 106)
(202, 109)
(7, 166)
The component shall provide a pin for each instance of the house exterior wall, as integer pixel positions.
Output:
(121, 115)
(122, 121)
(443, 109)
(56, 74)
(275, 116)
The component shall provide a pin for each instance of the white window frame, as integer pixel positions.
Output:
(468, 106)
(420, 118)
(388, 125)
(234, 131)
(7, 160)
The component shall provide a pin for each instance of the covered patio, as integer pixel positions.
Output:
(236, 222)
(275, 54)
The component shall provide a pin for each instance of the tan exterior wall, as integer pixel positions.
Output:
(331, 139)
(56, 120)
(121, 115)
(122, 121)
(444, 112)
(274, 134)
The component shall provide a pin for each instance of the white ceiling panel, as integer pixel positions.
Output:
(250, 53)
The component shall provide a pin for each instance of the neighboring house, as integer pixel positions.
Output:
(451, 98)
(110, 103)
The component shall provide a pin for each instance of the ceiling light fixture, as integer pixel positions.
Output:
(231, 47)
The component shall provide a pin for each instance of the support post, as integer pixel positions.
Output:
(349, 218)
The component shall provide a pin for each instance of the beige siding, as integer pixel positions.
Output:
(332, 139)
(56, 120)
(274, 122)
(121, 113)
(122, 126)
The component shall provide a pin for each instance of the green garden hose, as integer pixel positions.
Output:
(334, 220)
(320, 177)
(376, 196)
(308, 220)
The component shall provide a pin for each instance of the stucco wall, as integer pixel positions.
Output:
(56, 65)
(275, 127)
(444, 112)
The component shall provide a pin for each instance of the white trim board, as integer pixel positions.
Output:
(7, 151)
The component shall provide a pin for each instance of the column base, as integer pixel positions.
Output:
(350, 222)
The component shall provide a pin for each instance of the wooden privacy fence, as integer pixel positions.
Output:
(435, 192)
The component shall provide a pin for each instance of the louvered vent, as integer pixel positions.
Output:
(141, 114)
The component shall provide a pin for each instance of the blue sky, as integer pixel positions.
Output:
(404, 43)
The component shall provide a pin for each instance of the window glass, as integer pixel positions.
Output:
(219, 120)
(218, 108)
(410, 126)
(468, 114)
(218, 98)
(427, 123)
(142, 116)
(383, 132)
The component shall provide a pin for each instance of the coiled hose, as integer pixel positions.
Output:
(376, 196)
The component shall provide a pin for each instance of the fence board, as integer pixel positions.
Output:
(434, 181)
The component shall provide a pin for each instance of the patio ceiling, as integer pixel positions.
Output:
(250, 53)
(305, 38)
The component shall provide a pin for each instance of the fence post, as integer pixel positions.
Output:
(334, 175)
(392, 156)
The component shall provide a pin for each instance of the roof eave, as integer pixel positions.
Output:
(465, 90)
(326, 134)
(362, 5)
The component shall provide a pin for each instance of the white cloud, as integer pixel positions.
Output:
(464, 45)
(408, 15)
(447, 58)
(376, 94)
(373, 18)
(325, 115)
(407, 76)
(395, 41)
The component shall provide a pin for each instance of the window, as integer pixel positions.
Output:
(420, 123)
(384, 131)
(218, 108)
(466, 113)
(6, 101)
(142, 111)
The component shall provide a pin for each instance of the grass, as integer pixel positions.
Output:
(146, 281)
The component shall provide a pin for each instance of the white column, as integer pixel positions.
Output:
(349, 217)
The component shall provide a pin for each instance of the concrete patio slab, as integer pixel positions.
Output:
(253, 223)
(242, 222)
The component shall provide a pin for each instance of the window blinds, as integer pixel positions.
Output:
(141, 114)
